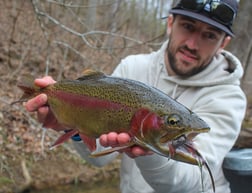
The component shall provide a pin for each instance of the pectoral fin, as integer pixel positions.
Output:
(111, 150)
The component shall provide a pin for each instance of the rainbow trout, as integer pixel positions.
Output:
(95, 104)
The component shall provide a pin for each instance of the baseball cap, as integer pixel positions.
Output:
(218, 13)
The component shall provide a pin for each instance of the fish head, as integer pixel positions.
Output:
(177, 134)
(170, 135)
(176, 125)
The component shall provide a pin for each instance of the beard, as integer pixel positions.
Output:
(171, 52)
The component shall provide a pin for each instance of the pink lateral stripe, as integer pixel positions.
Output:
(89, 101)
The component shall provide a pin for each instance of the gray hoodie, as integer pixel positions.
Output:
(214, 94)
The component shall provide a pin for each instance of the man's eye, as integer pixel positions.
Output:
(210, 36)
(188, 26)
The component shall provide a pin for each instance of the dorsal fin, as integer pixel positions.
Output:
(91, 74)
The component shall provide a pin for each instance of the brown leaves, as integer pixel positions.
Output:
(18, 134)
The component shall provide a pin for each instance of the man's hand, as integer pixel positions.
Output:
(39, 104)
(113, 139)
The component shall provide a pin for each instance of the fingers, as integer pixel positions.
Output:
(45, 81)
(123, 138)
(138, 151)
(35, 103)
(113, 139)
(39, 104)
(103, 140)
(42, 114)
(109, 139)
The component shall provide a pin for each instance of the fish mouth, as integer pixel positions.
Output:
(185, 151)
(178, 144)
(182, 149)
(189, 133)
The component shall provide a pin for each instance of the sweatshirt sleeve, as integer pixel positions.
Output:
(223, 109)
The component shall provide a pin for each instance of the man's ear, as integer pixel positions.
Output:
(170, 20)
(225, 42)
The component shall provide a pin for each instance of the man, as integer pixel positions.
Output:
(193, 68)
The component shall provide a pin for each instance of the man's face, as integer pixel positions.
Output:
(192, 45)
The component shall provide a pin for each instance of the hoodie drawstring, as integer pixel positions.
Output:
(174, 91)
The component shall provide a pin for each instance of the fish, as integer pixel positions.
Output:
(96, 103)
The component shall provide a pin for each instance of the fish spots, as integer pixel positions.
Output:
(89, 102)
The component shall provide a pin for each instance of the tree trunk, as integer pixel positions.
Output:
(91, 14)
(241, 45)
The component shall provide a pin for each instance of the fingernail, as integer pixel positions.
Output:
(42, 99)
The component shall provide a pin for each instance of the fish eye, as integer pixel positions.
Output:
(173, 120)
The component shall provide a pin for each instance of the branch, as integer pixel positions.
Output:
(83, 35)
(71, 48)
(71, 5)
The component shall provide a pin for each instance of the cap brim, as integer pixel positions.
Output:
(202, 18)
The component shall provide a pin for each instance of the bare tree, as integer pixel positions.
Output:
(100, 25)
(241, 45)
(91, 14)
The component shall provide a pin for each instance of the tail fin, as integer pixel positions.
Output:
(27, 85)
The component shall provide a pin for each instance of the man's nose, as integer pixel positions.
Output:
(193, 41)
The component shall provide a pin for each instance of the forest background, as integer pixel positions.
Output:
(61, 38)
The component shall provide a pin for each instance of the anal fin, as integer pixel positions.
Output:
(90, 142)
(64, 138)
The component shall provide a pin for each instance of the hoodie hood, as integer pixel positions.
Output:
(225, 68)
